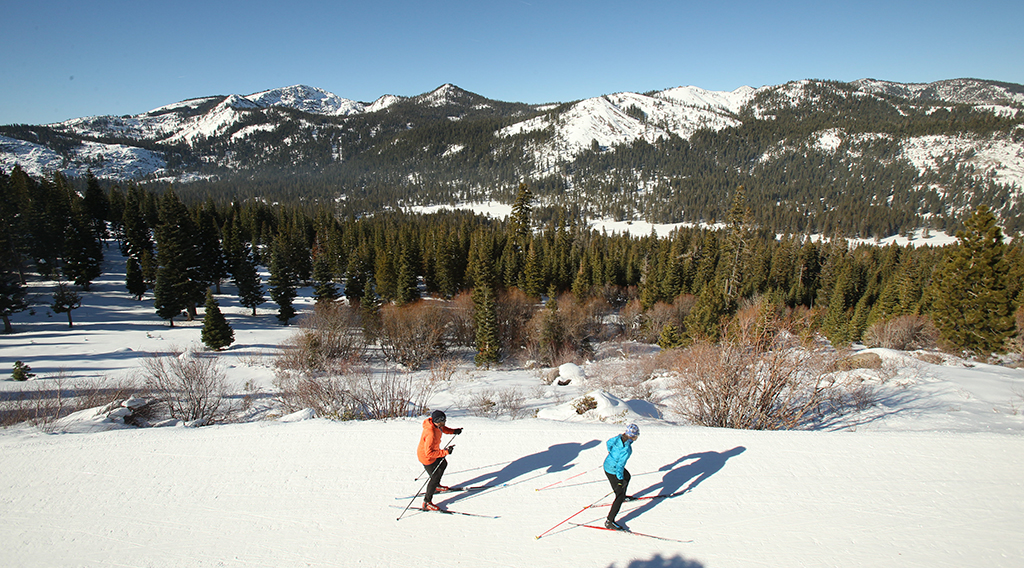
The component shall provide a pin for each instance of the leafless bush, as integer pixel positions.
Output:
(564, 330)
(491, 404)
(442, 370)
(329, 340)
(515, 311)
(192, 386)
(327, 396)
(628, 380)
(361, 394)
(461, 314)
(389, 394)
(46, 400)
(903, 333)
(737, 385)
(662, 314)
(414, 333)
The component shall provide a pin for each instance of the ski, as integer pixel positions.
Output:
(627, 531)
(452, 489)
(451, 512)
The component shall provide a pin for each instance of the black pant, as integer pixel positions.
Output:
(436, 470)
(619, 487)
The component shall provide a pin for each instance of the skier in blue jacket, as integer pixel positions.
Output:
(619, 449)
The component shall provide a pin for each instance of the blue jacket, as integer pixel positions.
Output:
(618, 453)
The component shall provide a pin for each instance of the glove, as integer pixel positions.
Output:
(457, 431)
(450, 449)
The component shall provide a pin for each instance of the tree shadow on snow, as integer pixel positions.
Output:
(552, 460)
(658, 562)
(678, 476)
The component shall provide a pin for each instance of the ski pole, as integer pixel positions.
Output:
(571, 516)
(564, 480)
(437, 465)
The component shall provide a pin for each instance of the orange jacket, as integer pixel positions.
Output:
(429, 449)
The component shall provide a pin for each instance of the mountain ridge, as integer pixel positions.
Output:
(622, 155)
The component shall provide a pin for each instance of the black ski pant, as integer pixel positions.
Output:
(436, 470)
(619, 487)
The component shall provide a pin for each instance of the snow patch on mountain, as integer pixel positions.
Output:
(730, 102)
(307, 99)
(384, 102)
(110, 161)
(1001, 158)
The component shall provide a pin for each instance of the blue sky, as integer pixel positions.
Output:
(66, 59)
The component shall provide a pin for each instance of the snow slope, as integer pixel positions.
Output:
(929, 477)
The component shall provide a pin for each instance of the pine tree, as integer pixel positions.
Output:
(65, 299)
(283, 281)
(250, 285)
(705, 321)
(13, 296)
(972, 307)
(217, 333)
(670, 337)
(83, 251)
(179, 284)
(324, 289)
(485, 317)
(133, 279)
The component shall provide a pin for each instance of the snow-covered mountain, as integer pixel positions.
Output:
(481, 147)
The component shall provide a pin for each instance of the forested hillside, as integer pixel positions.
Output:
(518, 287)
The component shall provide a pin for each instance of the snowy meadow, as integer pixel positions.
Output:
(928, 474)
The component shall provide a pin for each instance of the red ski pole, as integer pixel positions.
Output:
(571, 516)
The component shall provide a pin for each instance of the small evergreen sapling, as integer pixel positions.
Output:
(22, 372)
(217, 333)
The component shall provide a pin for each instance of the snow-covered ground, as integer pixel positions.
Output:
(931, 476)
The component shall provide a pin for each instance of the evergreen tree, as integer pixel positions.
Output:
(13, 296)
(324, 289)
(485, 318)
(705, 321)
(65, 299)
(250, 285)
(83, 251)
(283, 280)
(178, 279)
(670, 337)
(133, 279)
(972, 307)
(217, 333)
(97, 207)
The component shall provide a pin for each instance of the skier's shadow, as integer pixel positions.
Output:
(675, 478)
(554, 459)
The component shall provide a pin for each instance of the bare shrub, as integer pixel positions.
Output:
(327, 396)
(463, 329)
(662, 314)
(361, 394)
(489, 403)
(329, 340)
(628, 380)
(390, 394)
(59, 395)
(736, 385)
(903, 333)
(190, 385)
(515, 311)
(564, 330)
(414, 333)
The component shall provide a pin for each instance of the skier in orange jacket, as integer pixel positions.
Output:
(432, 456)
